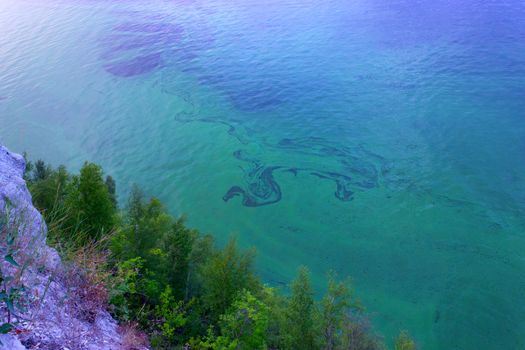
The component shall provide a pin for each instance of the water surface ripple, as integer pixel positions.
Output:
(382, 139)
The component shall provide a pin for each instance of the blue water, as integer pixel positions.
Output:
(382, 139)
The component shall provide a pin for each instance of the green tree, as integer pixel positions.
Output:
(172, 316)
(112, 190)
(246, 322)
(301, 313)
(335, 305)
(134, 292)
(212, 342)
(358, 334)
(178, 244)
(89, 202)
(203, 248)
(404, 342)
(49, 192)
(29, 167)
(276, 302)
(41, 170)
(224, 275)
(144, 225)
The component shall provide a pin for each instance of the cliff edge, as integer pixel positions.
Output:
(41, 299)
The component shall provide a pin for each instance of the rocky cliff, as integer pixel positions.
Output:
(39, 296)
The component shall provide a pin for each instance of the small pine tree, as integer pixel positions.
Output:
(144, 225)
(49, 192)
(177, 244)
(89, 202)
(29, 167)
(404, 342)
(335, 305)
(112, 190)
(41, 170)
(246, 322)
(300, 314)
(224, 275)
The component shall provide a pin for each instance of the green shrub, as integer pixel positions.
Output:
(172, 316)
(89, 202)
(300, 314)
(134, 291)
(246, 322)
(404, 342)
(224, 275)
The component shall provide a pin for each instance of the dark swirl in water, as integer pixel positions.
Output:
(355, 160)
(233, 126)
(357, 168)
(343, 183)
(262, 189)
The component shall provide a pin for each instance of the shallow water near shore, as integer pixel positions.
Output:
(382, 139)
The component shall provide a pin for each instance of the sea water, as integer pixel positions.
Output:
(381, 139)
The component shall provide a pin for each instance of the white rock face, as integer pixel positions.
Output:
(11, 342)
(53, 320)
(13, 190)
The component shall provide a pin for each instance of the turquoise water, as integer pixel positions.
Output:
(382, 139)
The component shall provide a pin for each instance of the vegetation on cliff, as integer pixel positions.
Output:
(177, 286)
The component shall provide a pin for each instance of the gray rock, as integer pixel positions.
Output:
(10, 342)
(14, 194)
